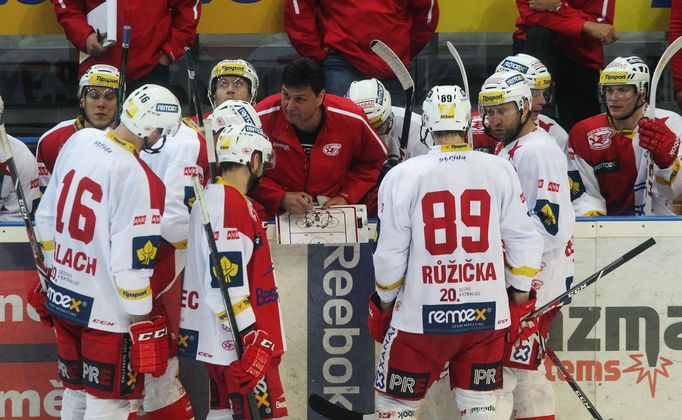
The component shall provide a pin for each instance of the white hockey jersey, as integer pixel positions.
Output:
(542, 170)
(28, 176)
(100, 224)
(555, 130)
(442, 219)
(415, 147)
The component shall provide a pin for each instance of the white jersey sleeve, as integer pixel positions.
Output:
(555, 130)
(27, 169)
(415, 147)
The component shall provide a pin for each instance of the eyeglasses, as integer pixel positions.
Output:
(97, 94)
(236, 83)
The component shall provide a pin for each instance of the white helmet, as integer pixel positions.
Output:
(535, 72)
(625, 71)
(150, 107)
(373, 98)
(102, 75)
(233, 112)
(446, 108)
(237, 68)
(238, 142)
(503, 87)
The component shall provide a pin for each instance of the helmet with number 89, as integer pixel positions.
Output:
(503, 87)
(446, 108)
(150, 107)
(238, 142)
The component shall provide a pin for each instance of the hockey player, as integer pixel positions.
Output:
(505, 103)
(440, 267)
(232, 79)
(97, 98)
(608, 152)
(244, 253)
(28, 176)
(99, 223)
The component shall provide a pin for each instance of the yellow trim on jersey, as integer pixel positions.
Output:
(180, 244)
(123, 143)
(673, 175)
(79, 124)
(135, 294)
(47, 245)
(594, 213)
(523, 271)
(391, 286)
(191, 124)
(460, 147)
(221, 181)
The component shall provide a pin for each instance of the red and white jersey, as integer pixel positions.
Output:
(489, 144)
(51, 143)
(542, 170)
(442, 219)
(555, 130)
(100, 226)
(244, 255)
(608, 169)
(28, 176)
(182, 156)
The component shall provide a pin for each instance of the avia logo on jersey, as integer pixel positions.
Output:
(455, 319)
(513, 65)
(606, 167)
(600, 138)
(189, 170)
(458, 273)
(139, 220)
(332, 149)
(144, 251)
(170, 108)
(34, 183)
(98, 375)
(69, 305)
(232, 234)
(548, 213)
(231, 265)
(553, 187)
(407, 384)
(42, 170)
(188, 341)
(486, 377)
(265, 296)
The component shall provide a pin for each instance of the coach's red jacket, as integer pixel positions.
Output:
(345, 160)
(157, 26)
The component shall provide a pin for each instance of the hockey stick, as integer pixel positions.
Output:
(400, 71)
(222, 281)
(125, 44)
(669, 52)
(463, 72)
(573, 384)
(567, 295)
(38, 257)
(325, 408)
(194, 87)
(210, 148)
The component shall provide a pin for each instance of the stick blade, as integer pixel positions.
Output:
(323, 407)
(392, 60)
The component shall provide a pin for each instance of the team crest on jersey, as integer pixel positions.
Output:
(600, 138)
(187, 342)
(232, 267)
(145, 249)
(576, 184)
(548, 213)
(332, 149)
(190, 198)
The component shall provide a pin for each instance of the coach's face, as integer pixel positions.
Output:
(302, 107)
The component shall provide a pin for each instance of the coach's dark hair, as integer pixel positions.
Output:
(302, 72)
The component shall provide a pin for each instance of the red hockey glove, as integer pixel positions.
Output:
(377, 321)
(36, 298)
(150, 350)
(520, 331)
(248, 370)
(659, 140)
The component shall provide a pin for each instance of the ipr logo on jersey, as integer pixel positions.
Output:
(332, 149)
(600, 138)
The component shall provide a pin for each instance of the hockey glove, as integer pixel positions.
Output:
(248, 370)
(377, 321)
(659, 140)
(36, 298)
(521, 331)
(150, 349)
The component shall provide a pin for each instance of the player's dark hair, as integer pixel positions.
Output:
(301, 72)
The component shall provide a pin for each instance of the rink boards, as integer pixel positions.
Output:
(620, 338)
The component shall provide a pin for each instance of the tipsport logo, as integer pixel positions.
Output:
(69, 305)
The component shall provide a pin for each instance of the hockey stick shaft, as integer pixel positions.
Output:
(210, 148)
(125, 44)
(465, 81)
(194, 86)
(23, 208)
(567, 295)
(222, 281)
(398, 68)
(573, 384)
(327, 409)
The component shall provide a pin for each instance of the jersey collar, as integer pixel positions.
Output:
(221, 181)
(123, 143)
(444, 148)
(627, 133)
(79, 123)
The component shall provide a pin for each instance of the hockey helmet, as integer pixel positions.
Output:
(503, 87)
(102, 75)
(534, 71)
(446, 108)
(233, 112)
(237, 68)
(238, 142)
(373, 98)
(625, 71)
(150, 107)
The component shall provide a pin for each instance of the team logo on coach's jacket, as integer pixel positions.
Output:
(600, 138)
(548, 213)
(188, 341)
(144, 251)
(68, 304)
(232, 267)
(332, 149)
